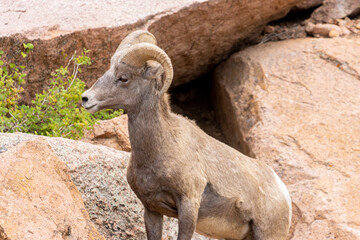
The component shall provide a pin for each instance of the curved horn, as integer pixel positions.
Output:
(136, 37)
(133, 38)
(138, 54)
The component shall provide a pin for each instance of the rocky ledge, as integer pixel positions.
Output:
(195, 33)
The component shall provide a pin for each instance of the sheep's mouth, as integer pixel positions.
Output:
(92, 108)
(88, 108)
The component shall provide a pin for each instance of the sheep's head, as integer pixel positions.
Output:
(139, 70)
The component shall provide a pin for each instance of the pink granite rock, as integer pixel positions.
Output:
(197, 34)
(295, 105)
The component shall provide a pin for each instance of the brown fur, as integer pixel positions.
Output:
(179, 171)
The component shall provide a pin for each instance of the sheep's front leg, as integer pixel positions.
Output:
(187, 215)
(153, 225)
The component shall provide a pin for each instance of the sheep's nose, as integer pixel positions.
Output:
(84, 99)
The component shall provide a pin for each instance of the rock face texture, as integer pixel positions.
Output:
(295, 105)
(38, 200)
(305, 4)
(47, 20)
(197, 34)
(98, 172)
(335, 9)
(112, 133)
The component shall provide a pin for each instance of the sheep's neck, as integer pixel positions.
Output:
(147, 128)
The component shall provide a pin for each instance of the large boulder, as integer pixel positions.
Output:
(306, 4)
(197, 34)
(38, 199)
(98, 172)
(295, 105)
(335, 9)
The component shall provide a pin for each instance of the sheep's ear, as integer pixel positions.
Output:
(154, 72)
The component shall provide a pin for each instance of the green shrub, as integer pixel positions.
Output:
(55, 112)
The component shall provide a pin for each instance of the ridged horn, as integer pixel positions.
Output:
(139, 53)
(133, 38)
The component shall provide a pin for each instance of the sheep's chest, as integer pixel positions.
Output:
(148, 186)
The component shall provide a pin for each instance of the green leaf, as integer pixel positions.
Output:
(23, 54)
(54, 112)
(1, 52)
(28, 46)
(1, 62)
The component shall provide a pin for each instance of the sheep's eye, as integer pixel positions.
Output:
(123, 78)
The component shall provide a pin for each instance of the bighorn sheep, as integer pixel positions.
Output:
(175, 168)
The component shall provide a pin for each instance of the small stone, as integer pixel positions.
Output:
(309, 27)
(337, 21)
(323, 30)
(269, 29)
(348, 22)
(333, 21)
(98, 221)
(354, 30)
(358, 26)
(333, 33)
(3, 149)
(344, 31)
